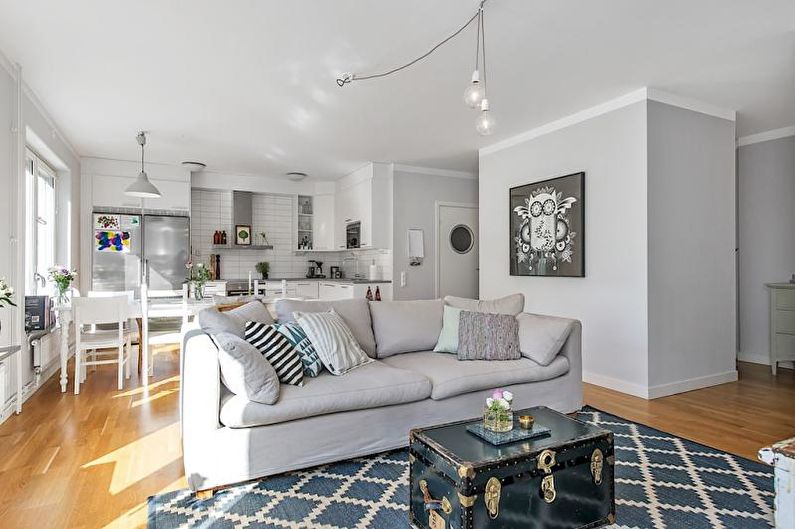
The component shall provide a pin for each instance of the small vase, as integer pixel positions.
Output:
(198, 292)
(498, 420)
(264, 276)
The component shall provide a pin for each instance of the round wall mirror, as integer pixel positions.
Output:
(462, 239)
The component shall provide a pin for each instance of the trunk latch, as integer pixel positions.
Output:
(492, 497)
(597, 462)
(546, 460)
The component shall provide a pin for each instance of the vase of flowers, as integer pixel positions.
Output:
(6, 297)
(63, 278)
(263, 267)
(498, 415)
(198, 275)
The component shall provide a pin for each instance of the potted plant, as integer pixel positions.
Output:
(198, 276)
(6, 296)
(498, 415)
(63, 279)
(263, 267)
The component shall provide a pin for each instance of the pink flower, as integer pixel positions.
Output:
(497, 394)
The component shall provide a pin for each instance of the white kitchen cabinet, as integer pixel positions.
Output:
(323, 222)
(307, 289)
(108, 191)
(364, 196)
(332, 291)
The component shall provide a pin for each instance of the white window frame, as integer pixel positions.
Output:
(35, 166)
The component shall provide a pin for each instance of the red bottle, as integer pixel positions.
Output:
(217, 237)
(369, 295)
(377, 294)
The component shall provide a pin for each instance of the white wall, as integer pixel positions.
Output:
(692, 272)
(611, 299)
(39, 132)
(766, 195)
(415, 194)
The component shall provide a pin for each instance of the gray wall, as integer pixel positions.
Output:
(611, 299)
(692, 276)
(415, 196)
(766, 214)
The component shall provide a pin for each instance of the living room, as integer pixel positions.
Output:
(334, 265)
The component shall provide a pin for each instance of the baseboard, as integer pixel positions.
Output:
(690, 384)
(622, 386)
(763, 359)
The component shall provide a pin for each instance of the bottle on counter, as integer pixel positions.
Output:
(223, 237)
(369, 295)
(217, 266)
(377, 294)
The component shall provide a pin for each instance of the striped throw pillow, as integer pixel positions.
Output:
(333, 341)
(309, 357)
(277, 350)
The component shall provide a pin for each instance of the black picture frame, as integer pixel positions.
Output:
(529, 232)
(241, 229)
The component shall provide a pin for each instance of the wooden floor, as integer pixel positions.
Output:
(92, 460)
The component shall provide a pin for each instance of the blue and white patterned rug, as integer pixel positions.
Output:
(662, 482)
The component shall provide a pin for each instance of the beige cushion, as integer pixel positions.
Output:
(245, 371)
(371, 386)
(451, 377)
(405, 326)
(513, 304)
(542, 337)
(355, 312)
(233, 321)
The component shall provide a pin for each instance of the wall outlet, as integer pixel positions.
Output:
(402, 279)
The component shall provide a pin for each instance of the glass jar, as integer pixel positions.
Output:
(500, 420)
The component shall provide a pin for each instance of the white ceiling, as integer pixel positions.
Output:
(248, 85)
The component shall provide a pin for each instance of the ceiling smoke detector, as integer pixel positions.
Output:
(296, 176)
(194, 166)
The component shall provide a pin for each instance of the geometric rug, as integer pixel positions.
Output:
(662, 482)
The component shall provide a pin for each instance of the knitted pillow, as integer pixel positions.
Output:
(484, 336)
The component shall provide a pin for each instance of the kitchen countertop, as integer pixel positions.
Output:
(326, 279)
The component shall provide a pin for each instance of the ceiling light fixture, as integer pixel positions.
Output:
(142, 187)
(475, 93)
(295, 176)
(194, 167)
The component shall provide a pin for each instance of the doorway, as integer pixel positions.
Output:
(457, 250)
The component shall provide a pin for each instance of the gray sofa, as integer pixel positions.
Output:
(228, 439)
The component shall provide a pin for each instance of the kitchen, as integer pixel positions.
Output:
(321, 240)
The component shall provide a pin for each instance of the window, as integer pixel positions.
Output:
(39, 223)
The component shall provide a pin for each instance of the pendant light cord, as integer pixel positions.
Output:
(477, 44)
(349, 77)
(482, 33)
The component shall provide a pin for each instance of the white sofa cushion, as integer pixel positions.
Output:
(405, 326)
(542, 337)
(371, 386)
(451, 377)
(355, 312)
(212, 321)
(333, 341)
(513, 304)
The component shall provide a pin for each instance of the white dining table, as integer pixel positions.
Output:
(143, 312)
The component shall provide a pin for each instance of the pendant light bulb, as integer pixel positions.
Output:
(486, 122)
(473, 95)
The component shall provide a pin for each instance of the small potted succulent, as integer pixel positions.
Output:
(63, 279)
(498, 415)
(263, 267)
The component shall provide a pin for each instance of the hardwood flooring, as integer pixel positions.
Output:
(92, 460)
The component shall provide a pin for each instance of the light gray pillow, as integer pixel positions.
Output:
(542, 337)
(333, 341)
(245, 371)
(405, 326)
(513, 304)
(355, 312)
(485, 336)
(212, 321)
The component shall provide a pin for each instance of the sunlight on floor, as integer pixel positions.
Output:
(158, 395)
(136, 517)
(144, 389)
(141, 458)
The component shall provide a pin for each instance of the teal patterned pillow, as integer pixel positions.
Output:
(309, 357)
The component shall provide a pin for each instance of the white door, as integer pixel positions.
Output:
(457, 248)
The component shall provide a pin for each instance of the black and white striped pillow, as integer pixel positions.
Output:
(277, 350)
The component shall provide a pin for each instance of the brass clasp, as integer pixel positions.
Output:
(546, 461)
(492, 497)
(444, 503)
(597, 463)
(548, 488)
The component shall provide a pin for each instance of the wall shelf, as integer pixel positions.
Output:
(241, 247)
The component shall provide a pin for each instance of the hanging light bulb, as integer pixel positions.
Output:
(473, 95)
(486, 122)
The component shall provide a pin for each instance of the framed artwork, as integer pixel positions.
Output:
(243, 235)
(547, 227)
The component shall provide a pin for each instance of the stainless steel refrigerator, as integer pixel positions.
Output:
(125, 245)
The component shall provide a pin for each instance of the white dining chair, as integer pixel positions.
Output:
(163, 305)
(135, 337)
(89, 312)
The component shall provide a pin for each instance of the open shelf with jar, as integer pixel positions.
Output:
(305, 216)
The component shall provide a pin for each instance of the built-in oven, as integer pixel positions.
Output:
(353, 234)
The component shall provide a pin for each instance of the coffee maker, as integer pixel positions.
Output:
(315, 269)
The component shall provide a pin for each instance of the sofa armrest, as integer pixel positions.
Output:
(572, 349)
(200, 395)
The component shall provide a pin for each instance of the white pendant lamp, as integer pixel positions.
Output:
(142, 187)
(486, 122)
